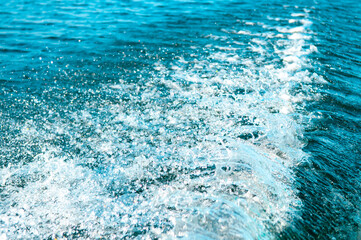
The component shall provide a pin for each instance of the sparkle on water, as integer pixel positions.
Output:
(197, 136)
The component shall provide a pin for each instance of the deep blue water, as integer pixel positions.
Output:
(180, 119)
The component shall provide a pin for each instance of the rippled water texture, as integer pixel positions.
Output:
(180, 119)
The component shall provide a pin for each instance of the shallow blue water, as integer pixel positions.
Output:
(180, 119)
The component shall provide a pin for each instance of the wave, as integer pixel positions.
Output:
(199, 147)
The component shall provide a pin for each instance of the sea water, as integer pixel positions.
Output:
(180, 119)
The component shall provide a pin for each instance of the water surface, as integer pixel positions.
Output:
(180, 119)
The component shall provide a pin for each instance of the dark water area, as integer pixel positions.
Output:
(330, 185)
(180, 119)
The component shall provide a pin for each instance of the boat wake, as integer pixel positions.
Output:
(200, 147)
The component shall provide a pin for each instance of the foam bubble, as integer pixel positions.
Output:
(298, 14)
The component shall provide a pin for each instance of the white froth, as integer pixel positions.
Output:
(176, 166)
(298, 14)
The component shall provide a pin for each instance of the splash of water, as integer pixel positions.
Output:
(202, 149)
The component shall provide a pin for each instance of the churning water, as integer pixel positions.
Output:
(180, 119)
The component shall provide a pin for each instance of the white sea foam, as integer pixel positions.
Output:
(208, 156)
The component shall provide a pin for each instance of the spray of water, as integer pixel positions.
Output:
(202, 149)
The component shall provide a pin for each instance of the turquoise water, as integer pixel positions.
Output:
(180, 120)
